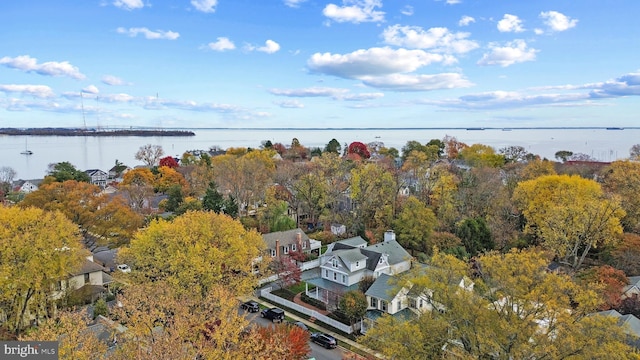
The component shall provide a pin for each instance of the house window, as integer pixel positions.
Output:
(412, 303)
(344, 279)
(273, 253)
(357, 264)
(335, 276)
(374, 302)
(420, 303)
(381, 260)
(334, 262)
(304, 244)
(86, 279)
(286, 249)
(57, 286)
(383, 304)
(326, 273)
(293, 247)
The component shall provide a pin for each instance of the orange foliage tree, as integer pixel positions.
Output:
(282, 342)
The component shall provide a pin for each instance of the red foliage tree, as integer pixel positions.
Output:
(610, 282)
(280, 148)
(169, 162)
(287, 270)
(359, 149)
(282, 341)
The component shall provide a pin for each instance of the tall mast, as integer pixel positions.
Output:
(82, 107)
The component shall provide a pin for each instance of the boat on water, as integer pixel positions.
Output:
(26, 149)
(475, 128)
(615, 128)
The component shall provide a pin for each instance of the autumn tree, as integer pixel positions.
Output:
(115, 221)
(608, 282)
(216, 202)
(563, 155)
(479, 155)
(373, 189)
(516, 310)
(335, 172)
(169, 161)
(71, 330)
(569, 214)
(310, 191)
(634, 152)
(354, 305)
(287, 271)
(149, 154)
(452, 147)
(281, 342)
(514, 154)
(138, 184)
(623, 179)
(64, 171)
(537, 168)
(6, 180)
(414, 225)
(194, 252)
(168, 177)
(37, 249)
(359, 149)
(626, 254)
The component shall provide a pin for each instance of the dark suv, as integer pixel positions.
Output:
(325, 340)
(273, 314)
(250, 306)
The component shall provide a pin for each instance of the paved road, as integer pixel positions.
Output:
(317, 351)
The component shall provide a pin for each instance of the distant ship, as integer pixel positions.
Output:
(506, 129)
(475, 128)
(615, 128)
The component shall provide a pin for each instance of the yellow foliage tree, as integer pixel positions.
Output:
(37, 249)
(623, 179)
(194, 252)
(516, 310)
(570, 214)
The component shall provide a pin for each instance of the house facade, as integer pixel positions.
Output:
(283, 243)
(347, 262)
(91, 277)
(98, 177)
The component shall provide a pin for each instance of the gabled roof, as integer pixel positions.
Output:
(397, 253)
(87, 268)
(95, 171)
(353, 242)
(382, 288)
(351, 255)
(287, 237)
(634, 280)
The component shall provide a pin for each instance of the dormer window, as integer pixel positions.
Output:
(286, 249)
(293, 247)
(273, 253)
(381, 260)
(304, 245)
(334, 262)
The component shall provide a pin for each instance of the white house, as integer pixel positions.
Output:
(633, 289)
(347, 262)
(98, 177)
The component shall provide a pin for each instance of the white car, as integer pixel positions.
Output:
(124, 268)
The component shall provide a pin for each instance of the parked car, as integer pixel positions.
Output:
(325, 340)
(124, 268)
(301, 325)
(250, 306)
(273, 314)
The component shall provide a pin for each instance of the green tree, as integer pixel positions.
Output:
(64, 171)
(563, 155)
(354, 305)
(414, 225)
(37, 250)
(475, 235)
(569, 214)
(333, 147)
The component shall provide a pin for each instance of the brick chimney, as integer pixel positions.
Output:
(277, 248)
(299, 240)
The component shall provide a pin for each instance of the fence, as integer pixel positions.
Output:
(266, 293)
(308, 265)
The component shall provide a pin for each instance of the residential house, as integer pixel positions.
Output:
(281, 243)
(629, 323)
(91, 280)
(633, 289)
(116, 173)
(26, 186)
(347, 262)
(97, 177)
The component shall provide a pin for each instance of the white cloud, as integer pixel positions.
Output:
(510, 23)
(407, 10)
(466, 20)
(51, 68)
(290, 104)
(269, 47)
(451, 2)
(439, 39)
(513, 52)
(372, 62)
(293, 3)
(361, 97)
(309, 92)
(113, 80)
(129, 4)
(355, 11)
(626, 85)
(148, 34)
(206, 6)
(538, 31)
(557, 21)
(41, 91)
(91, 89)
(221, 44)
(411, 82)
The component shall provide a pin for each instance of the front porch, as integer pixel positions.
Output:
(327, 291)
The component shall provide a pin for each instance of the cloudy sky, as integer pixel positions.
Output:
(316, 63)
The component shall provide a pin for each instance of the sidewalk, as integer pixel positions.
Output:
(318, 325)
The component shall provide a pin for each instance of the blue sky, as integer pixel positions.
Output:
(312, 63)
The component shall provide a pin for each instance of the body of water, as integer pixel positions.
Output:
(102, 152)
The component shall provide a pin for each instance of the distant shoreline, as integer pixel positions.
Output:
(93, 132)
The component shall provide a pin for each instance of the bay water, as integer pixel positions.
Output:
(101, 152)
